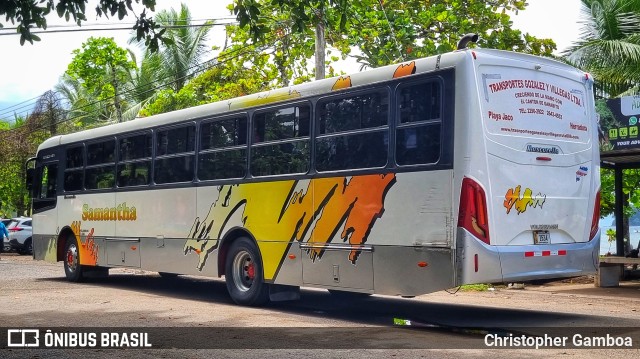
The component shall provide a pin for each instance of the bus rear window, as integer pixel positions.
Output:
(533, 104)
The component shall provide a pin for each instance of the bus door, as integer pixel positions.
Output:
(44, 189)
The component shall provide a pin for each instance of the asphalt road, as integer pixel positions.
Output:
(197, 316)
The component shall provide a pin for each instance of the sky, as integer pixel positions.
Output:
(28, 71)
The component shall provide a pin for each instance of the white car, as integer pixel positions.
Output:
(20, 232)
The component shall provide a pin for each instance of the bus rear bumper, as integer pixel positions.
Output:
(480, 263)
(531, 262)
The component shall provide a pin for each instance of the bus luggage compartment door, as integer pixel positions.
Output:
(124, 252)
(330, 266)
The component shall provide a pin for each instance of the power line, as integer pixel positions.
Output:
(189, 21)
(199, 68)
(25, 109)
(25, 104)
(115, 28)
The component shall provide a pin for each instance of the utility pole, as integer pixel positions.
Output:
(116, 100)
(320, 43)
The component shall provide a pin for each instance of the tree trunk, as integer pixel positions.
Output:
(320, 44)
(51, 116)
(116, 100)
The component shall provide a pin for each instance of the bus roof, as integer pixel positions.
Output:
(301, 91)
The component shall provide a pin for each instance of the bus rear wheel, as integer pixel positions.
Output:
(72, 268)
(244, 274)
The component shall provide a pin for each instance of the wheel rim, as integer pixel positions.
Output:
(72, 257)
(244, 271)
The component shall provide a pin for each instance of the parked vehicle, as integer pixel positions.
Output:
(20, 233)
(402, 180)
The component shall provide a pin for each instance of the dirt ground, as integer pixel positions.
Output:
(35, 293)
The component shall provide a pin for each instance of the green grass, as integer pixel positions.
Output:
(476, 287)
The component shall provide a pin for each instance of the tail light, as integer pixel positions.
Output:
(14, 229)
(596, 217)
(473, 210)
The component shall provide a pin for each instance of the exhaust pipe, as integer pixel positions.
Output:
(462, 44)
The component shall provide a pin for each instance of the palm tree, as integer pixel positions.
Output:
(143, 83)
(609, 46)
(184, 51)
(83, 108)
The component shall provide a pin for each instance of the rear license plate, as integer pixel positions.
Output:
(541, 237)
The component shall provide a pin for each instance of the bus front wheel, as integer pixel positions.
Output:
(244, 274)
(72, 267)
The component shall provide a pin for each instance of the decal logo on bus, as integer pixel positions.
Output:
(405, 70)
(120, 213)
(343, 82)
(513, 199)
(542, 149)
(88, 248)
(277, 213)
(581, 172)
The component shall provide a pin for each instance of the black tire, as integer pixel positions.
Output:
(244, 274)
(27, 248)
(72, 268)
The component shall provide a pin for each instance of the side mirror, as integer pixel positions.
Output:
(29, 180)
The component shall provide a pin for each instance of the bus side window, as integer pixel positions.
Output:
(175, 154)
(52, 176)
(223, 152)
(352, 132)
(134, 162)
(74, 169)
(48, 181)
(281, 141)
(419, 127)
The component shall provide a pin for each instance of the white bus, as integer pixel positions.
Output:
(475, 166)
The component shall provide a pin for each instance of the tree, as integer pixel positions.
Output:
(385, 32)
(227, 79)
(303, 13)
(393, 31)
(287, 52)
(176, 62)
(18, 142)
(630, 195)
(102, 68)
(242, 67)
(186, 48)
(83, 108)
(33, 14)
(48, 112)
(609, 46)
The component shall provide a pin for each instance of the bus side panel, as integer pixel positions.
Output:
(161, 224)
(270, 213)
(89, 217)
(413, 239)
(339, 230)
(410, 271)
(419, 205)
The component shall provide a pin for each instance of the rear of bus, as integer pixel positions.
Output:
(529, 203)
